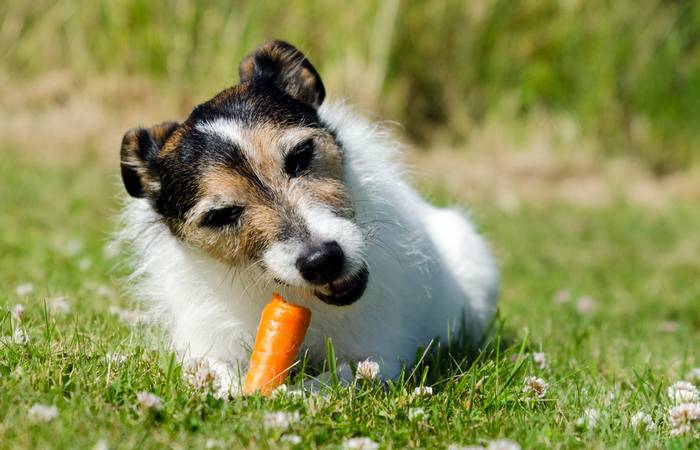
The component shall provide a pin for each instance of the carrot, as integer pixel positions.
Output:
(280, 333)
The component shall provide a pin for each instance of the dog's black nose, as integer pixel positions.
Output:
(322, 263)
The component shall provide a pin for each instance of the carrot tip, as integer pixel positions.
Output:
(281, 331)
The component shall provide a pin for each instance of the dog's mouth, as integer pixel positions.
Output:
(344, 291)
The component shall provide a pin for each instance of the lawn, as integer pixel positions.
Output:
(609, 295)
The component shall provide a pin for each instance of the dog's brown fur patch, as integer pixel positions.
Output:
(270, 200)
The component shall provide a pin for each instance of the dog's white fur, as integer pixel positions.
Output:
(429, 271)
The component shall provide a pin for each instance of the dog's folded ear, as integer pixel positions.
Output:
(140, 147)
(281, 65)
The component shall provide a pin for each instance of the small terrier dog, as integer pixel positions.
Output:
(266, 187)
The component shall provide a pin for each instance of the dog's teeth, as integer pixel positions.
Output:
(325, 290)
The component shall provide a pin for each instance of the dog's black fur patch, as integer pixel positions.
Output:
(279, 86)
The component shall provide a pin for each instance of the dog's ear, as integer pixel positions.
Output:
(140, 146)
(282, 65)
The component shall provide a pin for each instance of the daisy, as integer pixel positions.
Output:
(536, 387)
(42, 413)
(367, 370)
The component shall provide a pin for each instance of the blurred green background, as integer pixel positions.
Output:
(625, 72)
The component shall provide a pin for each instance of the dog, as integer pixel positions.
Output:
(266, 187)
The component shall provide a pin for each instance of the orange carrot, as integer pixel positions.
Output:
(280, 333)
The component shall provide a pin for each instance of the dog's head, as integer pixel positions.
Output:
(253, 178)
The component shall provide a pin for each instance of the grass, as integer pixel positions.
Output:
(627, 74)
(639, 267)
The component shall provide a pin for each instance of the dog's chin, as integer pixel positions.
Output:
(345, 291)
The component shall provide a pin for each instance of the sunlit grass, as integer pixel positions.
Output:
(617, 357)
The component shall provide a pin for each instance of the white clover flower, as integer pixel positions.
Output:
(84, 264)
(540, 360)
(642, 420)
(101, 444)
(59, 305)
(39, 413)
(148, 401)
(116, 358)
(291, 439)
(586, 305)
(359, 443)
(503, 444)
(683, 392)
(129, 317)
(296, 393)
(423, 391)
(683, 417)
(416, 414)
(200, 375)
(20, 337)
(535, 386)
(17, 311)
(668, 326)
(280, 420)
(72, 247)
(465, 447)
(589, 419)
(24, 289)
(279, 391)
(367, 370)
(562, 296)
(105, 291)
(693, 374)
(283, 391)
(214, 443)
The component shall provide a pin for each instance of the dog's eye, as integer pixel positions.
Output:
(299, 159)
(217, 218)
